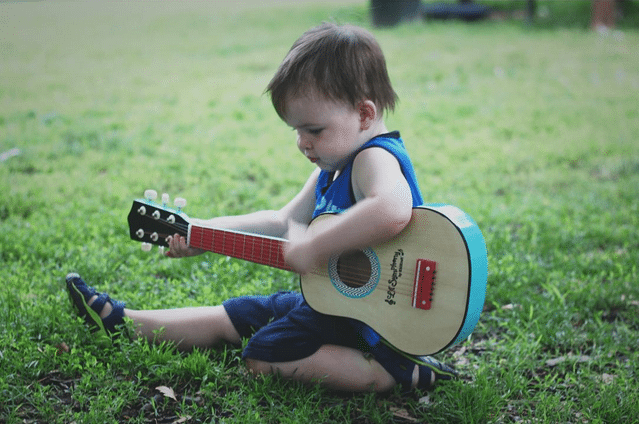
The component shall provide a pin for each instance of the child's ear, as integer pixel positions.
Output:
(367, 114)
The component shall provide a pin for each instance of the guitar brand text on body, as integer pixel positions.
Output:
(396, 267)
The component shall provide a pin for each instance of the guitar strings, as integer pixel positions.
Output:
(358, 275)
(350, 273)
(347, 272)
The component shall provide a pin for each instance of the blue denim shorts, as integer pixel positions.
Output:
(282, 327)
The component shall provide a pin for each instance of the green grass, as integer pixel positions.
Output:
(532, 130)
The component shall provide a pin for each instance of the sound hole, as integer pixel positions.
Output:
(354, 269)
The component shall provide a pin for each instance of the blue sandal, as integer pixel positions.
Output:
(401, 366)
(427, 367)
(80, 294)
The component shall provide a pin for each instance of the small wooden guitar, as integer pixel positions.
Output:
(422, 291)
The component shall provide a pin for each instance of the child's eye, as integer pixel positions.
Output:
(315, 131)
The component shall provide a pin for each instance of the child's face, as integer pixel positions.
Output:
(328, 132)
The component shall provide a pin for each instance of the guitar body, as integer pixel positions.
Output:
(422, 291)
(379, 286)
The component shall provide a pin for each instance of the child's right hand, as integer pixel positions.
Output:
(179, 249)
(299, 252)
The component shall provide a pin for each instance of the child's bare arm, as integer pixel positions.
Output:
(272, 223)
(382, 210)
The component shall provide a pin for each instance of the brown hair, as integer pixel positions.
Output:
(342, 63)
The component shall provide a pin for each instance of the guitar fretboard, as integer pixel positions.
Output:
(253, 248)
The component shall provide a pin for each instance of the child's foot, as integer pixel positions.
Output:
(99, 311)
(410, 372)
(428, 371)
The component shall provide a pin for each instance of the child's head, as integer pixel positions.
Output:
(340, 63)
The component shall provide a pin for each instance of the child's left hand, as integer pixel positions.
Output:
(178, 248)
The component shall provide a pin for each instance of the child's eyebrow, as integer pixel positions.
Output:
(305, 126)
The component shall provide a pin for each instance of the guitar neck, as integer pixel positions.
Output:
(249, 247)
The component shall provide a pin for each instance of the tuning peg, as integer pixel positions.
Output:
(150, 195)
(165, 199)
(179, 203)
(146, 247)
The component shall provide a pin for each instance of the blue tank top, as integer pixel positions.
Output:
(337, 195)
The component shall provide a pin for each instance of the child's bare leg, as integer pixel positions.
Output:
(336, 367)
(200, 327)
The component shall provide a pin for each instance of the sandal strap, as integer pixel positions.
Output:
(115, 318)
(99, 302)
(401, 366)
(427, 366)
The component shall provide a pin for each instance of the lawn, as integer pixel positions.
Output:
(532, 130)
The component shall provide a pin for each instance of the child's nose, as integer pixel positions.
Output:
(303, 142)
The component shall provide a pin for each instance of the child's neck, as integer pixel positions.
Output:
(378, 128)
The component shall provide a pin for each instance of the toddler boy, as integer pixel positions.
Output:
(332, 88)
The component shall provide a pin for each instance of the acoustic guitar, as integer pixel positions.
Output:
(422, 291)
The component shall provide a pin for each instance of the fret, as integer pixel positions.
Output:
(280, 257)
(219, 242)
(210, 237)
(256, 250)
(252, 257)
(258, 254)
(267, 252)
(229, 243)
(217, 247)
(244, 248)
(262, 248)
(223, 238)
(233, 250)
(270, 253)
(275, 249)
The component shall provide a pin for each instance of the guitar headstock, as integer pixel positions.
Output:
(155, 223)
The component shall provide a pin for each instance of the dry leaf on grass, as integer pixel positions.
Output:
(167, 391)
(425, 400)
(403, 414)
(577, 358)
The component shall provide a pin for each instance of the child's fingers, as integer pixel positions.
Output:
(177, 246)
